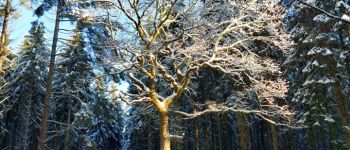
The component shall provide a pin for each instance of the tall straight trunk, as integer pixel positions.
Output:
(164, 130)
(311, 138)
(274, 138)
(206, 141)
(4, 34)
(26, 122)
(26, 139)
(228, 134)
(196, 134)
(291, 144)
(244, 134)
(68, 138)
(45, 113)
(219, 118)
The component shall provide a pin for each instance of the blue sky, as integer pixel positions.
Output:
(19, 28)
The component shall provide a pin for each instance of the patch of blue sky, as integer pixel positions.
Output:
(19, 28)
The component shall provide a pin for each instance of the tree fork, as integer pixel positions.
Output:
(45, 113)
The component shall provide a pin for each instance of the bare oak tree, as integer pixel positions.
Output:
(173, 42)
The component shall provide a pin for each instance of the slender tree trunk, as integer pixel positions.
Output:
(164, 130)
(290, 142)
(45, 113)
(26, 122)
(206, 141)
(274, 138)
(68, 138)
(4, 34)
(219, 118)
(311, 138)
(228, 134)
(196, 134)
(244, 135)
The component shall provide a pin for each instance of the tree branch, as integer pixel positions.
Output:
(325, 12)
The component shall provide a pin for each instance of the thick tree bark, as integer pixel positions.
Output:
(4, 34)
(45, 113)
(164, 130)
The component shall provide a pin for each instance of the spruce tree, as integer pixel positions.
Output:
(316, 66)
(22, 115)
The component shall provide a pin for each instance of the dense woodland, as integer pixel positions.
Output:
(176, 74)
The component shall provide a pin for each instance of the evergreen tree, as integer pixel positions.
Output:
(316, 66)
(101, 119)
(24, 106)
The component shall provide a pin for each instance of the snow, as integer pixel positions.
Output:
(329, 119)
(82, 13)
(317, 124)
(308, 40)
(325, 80)
(321, 19)
(308, 81)
(327, 52)
(342, 56)
(310, 1)
(315, 63)
(322, 37)
(63, 61)
(313, 51)
(345, 17)
(318, 50)
(306, 69)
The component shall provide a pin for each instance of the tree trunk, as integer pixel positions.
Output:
(219, 132)
(206, 141)
(290, 142)
(274, 138)
(45, 113)
(164, 130)
(311, 138)
(4, 34)
(196, 134)
(68, 138)
(244, 134)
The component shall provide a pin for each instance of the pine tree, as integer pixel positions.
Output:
(100, 118)
(23, 117)
(315, 65)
